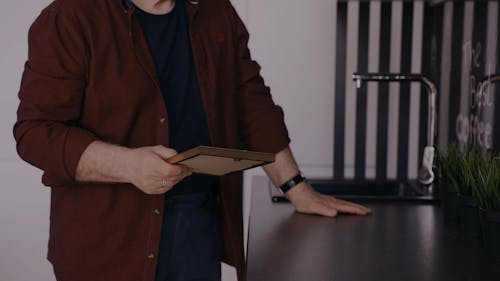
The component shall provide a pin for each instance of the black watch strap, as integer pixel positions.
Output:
(292, 182)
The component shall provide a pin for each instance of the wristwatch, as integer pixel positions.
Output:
(292, 182)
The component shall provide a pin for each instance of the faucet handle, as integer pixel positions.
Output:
(426, 175)
(358, 83)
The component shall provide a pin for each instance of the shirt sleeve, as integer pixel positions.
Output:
(51, 96)
(261, 120)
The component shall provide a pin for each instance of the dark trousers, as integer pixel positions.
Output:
(190, 247)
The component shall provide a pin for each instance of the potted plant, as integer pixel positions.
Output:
(450, 170)
(488, 194)
(468, 210)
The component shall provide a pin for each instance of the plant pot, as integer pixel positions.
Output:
(469, 217)
(449, 203)
(490, 232)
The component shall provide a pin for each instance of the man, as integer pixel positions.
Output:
(110, 90)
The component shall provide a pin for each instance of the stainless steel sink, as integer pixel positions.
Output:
(368, 190)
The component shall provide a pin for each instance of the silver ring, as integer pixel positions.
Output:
(164, 182)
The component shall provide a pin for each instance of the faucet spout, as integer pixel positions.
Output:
(426, 175)
(490, 78)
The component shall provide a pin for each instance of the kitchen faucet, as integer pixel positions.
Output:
(491, 78)
(425, 174)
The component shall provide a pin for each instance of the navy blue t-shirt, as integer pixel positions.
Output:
(170, 46)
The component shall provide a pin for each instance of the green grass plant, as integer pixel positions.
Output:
(468, 163)
(449, 164)
(487, 190)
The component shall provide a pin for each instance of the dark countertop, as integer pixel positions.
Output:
(399, 241)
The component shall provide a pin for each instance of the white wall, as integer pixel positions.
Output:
(24, 203)
(293, 41)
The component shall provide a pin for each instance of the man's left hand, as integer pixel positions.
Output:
(307, 200)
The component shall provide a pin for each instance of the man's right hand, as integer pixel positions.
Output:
(149, 171)
(144, 167)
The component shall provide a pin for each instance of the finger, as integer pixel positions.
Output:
(173, 171)
(350, 210)
(156, 191)
(188, 169)
(163, 169)
(185, 174)
(345, 207)
(322, 208)
(361, 207)
(164, 189)
(164, 152)
(185, 169)
(347, 203)
(166, 183)
(180, 174)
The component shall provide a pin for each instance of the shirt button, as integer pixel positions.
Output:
(162, 120)
(151, 256)
(157, 211)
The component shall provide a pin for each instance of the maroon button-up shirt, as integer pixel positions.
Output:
(90, 76)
